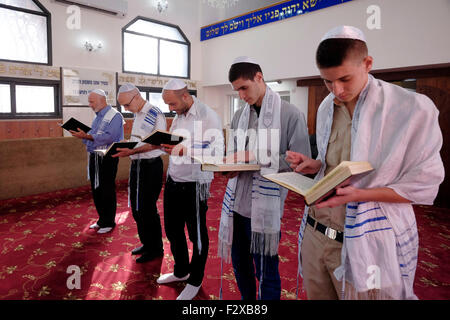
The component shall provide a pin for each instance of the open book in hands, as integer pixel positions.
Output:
(316, 191)
(73, 124)
(158, 137)
(112, 150)
(225, 166)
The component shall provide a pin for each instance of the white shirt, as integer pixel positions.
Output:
(142, 128)
(203, 129)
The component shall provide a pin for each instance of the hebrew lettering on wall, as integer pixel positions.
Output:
(276, 12)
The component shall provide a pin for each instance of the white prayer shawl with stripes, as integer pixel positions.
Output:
(267, 197)
(397, 131)
(101, 129)
(148, 125)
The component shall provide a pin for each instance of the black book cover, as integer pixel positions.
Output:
(74, 124)
(158, 137)
(112, 150)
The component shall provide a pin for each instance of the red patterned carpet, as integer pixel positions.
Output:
(42, 235)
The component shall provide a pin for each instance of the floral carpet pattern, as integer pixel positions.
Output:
(44, 238)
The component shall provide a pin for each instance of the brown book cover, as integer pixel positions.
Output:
(316, 191)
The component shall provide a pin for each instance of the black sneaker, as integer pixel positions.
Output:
(138, 250)
(149, 257)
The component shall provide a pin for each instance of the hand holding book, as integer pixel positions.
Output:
(303, 164)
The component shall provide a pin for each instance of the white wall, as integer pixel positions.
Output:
(68, 47)
(413, 33)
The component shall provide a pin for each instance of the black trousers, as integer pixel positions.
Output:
(105, 194)
(143, 203)
(180, 209)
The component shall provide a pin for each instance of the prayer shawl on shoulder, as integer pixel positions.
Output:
(397, 131)
(148, 125)
(101, 129)
(267, 197)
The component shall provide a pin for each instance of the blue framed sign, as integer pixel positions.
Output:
(275, 12)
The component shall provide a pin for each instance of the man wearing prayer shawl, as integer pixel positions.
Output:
(253, 206)
(146, 172)
(107, 128)
(186, 191)
(363, 243)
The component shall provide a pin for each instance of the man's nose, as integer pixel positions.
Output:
(338, 88)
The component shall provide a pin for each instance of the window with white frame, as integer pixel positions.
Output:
(25, 30)
(157, 48)
(25, 99)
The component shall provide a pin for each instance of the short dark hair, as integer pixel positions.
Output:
(333, 52)
(244, 70)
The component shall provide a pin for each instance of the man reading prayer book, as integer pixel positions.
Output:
(252, 207)
(107, 128)
(370, 224)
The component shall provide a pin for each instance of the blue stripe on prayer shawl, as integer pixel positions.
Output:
(352, 207)
(200, 145)
(269, 188)
(369, 231)
(364, 222)
(229, 195)
(406, 242)
(266, 194)
(410, 260)
(357, 214)
(226, 206)
(401, 234)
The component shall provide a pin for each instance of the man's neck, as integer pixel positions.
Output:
(258, 102)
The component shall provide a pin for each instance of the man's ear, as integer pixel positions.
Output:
(258, 77)
(368, 63)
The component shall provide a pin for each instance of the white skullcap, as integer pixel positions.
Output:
(100, 92)
(344, 32)
(244, 59)
(175, 84)
(127, 87)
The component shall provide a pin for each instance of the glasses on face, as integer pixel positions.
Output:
(127, 105)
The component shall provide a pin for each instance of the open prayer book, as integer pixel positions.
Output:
(223, 167)
(73, 124)
(316, 191)
(158, 137)
(112, 150)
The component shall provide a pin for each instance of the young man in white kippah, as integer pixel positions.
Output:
(146, 172)
(186, 191)
(252, 208)
(107, 128)
(362, 243)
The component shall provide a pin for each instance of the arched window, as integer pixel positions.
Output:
(25, 30)
(156, 48)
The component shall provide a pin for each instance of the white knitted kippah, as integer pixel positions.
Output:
(127, 87)
(100, 92)
(175, 84)
(344, 32)
(244, 59)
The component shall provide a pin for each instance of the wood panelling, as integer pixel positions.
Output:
(438, 90)
(315, 96)
(29, 129)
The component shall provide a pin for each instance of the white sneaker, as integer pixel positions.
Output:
(170, 277)
(189, 292)
(94, 226)
(104, 230)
